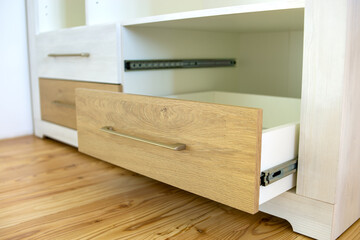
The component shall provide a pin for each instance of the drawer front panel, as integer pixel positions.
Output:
(57, 99)
(86, 54)
(221, 160)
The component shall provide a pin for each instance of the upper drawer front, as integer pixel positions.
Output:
(99, 42)
(221, 160)
(57, 98)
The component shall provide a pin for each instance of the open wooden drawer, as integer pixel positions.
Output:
(214, 150)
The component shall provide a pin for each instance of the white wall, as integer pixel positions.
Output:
(15, 105)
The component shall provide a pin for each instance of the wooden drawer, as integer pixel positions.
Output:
(85, 53)
(222, 157)
(57, 98)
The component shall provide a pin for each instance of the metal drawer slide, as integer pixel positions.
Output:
(278, 172)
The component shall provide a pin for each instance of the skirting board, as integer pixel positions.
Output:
(62, 134)
(307, 216)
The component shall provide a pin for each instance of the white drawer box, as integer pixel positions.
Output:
(86, 54)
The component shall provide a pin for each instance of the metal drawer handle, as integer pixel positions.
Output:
(84, 54)
(175, 146)
(69, 105)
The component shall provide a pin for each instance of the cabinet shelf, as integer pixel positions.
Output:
(273, 16)
(265, 40)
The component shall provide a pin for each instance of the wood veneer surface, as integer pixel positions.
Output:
(223, 143)
(58, 99)
(49, 190)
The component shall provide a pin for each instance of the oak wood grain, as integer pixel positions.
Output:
(57, 98)
(49, 190)
(223, 143)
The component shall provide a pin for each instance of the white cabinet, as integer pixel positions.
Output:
(291, 48)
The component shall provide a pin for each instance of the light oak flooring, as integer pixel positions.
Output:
(48, 190)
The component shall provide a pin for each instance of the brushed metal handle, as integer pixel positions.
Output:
(174, 146)
(69, 105)
(84, 54)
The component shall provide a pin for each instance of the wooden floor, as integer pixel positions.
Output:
(50, 191)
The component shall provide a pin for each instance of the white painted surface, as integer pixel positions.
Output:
(42, 128)
(277, 188)
(270, 63)
(107, 11)
(60, 133)
(154, 43)
(57, 14)
(306, 215)
(100, 41)
(32, 26)
(226, 3)
(278, 112)
(279, 144)
(272, 16)
(15, 103)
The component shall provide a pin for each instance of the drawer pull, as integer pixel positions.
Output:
(175, 146)
(64, 104)
(69, 54)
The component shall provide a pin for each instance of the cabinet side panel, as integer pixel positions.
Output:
(32, 30)
(323, 74)
(347, 208)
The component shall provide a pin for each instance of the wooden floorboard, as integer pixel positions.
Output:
(48, 190)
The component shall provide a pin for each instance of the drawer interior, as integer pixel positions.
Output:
(277, 111)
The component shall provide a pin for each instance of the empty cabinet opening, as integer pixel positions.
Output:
(59, 14)
(267, 47)
(267, 63)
